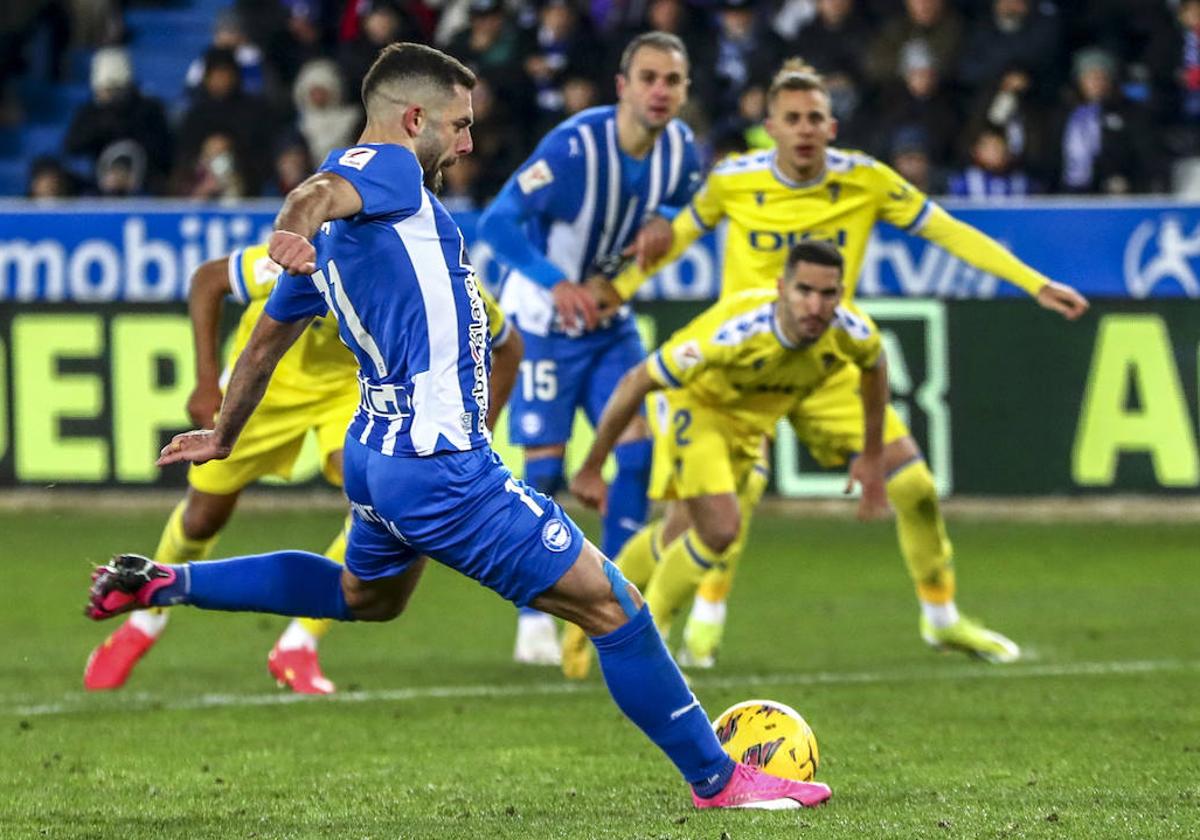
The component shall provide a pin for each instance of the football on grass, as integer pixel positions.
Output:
(770, 736)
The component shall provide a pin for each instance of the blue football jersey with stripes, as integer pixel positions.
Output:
(397, 278)
(580, 201)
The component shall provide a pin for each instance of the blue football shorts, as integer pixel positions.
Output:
(463, 509)
(560, 373)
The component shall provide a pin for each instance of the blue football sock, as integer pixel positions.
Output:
(627, 502)
(296, 583)
(545, 475)
(647, 686)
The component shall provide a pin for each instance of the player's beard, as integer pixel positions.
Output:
(433, 181)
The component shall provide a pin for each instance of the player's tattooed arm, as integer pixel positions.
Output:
(251, 375)
(588, 484)
(209, 286)
(506, 360)
(318, 199)
(868, 468)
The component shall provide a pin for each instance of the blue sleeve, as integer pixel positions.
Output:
(387, 177)
(548, 185)
(294, 298)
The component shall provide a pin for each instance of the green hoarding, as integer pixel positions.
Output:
(1004, 397)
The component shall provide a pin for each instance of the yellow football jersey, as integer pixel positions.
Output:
(734, 358)
(318, 359)
(768, 213)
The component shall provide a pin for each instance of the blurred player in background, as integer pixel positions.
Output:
(725, 380)
(594, 189)
(803, 189)
(314, 388)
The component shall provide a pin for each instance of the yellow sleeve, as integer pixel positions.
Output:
(977, 248)
(701, 215)
(899, 202)
(497, 323)
(252, 274)
(690, 351)
(858, 336)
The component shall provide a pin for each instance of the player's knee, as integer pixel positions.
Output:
(912, 489)
(202, 522)
(719, 533)
(612, 606)
(373, 606)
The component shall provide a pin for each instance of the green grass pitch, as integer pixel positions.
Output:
(437, 734)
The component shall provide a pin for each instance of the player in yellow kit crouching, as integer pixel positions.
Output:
(314, 389)
(723, 382)
(804, 189)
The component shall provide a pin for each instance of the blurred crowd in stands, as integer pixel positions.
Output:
(981, 98)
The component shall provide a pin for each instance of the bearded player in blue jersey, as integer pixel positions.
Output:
(366, 239)
(593, 191)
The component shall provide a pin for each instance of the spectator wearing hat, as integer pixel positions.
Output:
(1107, 142)
(119, 111)
(918, 99)
(993, 173)
(221, 107)
(936, 23)
(229, 34)
(745, 52)
(325, 119)
(908, 153)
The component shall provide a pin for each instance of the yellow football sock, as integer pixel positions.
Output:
(318, 627)
(922, 531)
(682, 565)
(640, 554)
(174, 546)
(717, 583)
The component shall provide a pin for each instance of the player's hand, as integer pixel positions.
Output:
(575, 303)
(204, 403)
(197, 447)
(588, 486)
(292, 252)
(608, 300)
(1062, 299)
(868, 471)
(652, 242)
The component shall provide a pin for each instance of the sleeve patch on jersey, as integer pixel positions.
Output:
(357, 157)
(266, 271)
(687, 355)
(851, 323)
(536, 176)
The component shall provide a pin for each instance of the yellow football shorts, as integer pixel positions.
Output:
(696, 453)
(830, 424)
(274, 435)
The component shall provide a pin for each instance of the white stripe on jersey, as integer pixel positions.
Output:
(334, 293)
(437, 398)
(366, 432)
(676, 138)
(655, 195)
(566, 241)
(627, 219)
(614, 189)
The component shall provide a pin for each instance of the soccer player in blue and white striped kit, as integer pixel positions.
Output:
(367, 239)
(593, 190)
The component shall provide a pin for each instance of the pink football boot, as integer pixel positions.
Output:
(750, 787)
(125, 584)
(299, 670)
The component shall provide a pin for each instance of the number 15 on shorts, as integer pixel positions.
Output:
(539, 380)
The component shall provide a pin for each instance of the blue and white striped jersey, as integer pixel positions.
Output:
(397, 278)
(578, 200)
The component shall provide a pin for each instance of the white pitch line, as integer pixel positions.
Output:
(92, 704)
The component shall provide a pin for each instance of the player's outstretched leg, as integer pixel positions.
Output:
(110, 665)
(928, 554)
(293, 661)
(647, 686)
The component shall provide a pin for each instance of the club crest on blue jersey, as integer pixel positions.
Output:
(556, 536)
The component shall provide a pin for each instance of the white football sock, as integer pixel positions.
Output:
(150, 622)
(940, 615)
(709, 612)
(295, 637)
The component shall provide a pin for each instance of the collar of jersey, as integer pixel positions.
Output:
(788, 182)
(778, 331)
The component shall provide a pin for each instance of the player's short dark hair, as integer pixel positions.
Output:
(796, 74)
(816, 251)
(415, 62)
(664, 41)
